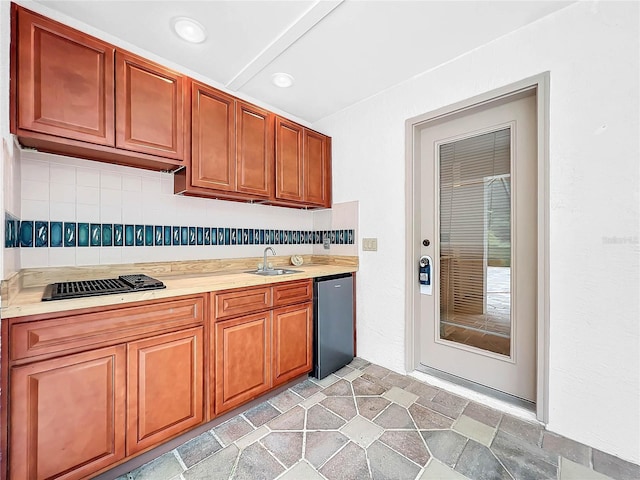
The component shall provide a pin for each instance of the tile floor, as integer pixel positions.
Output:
(366, 422)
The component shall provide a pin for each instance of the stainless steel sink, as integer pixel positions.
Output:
(273, 272)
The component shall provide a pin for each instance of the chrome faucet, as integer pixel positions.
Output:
(264, 264)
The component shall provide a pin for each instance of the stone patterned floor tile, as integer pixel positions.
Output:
(483, 414)
(256, 463)
(343, 406)
(217, 466)
(313, 399)
(362, 431)
(531, 432)
(377, 371)
(400, 396)
(439, 471)
(428, 419)
(475, 430)
(445, 445)
(422, 389)
(389, 465)
(574, 471)
(306, 389)
(397, 380)
(261, 414)
(233, 429)
(407, 442)
(319, 418)
(524, 460)
(445, 403)
(320, 446)
(344, 371)
(341, 388)
(566, 447)
(164, 467)
(477, 462)
(301, 471)
(353, 375)
(615, 467)
(370, 407)
(198, 448)
(326, 381)
(350, 463)
(359, 363)
(291, 420)
(395, 417)
(248, 439)
(285, 446)
(285, 400)
(362, 386)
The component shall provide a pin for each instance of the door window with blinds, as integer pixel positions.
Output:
(475, 241)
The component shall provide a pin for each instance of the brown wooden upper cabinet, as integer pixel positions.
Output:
(151, 115)
(303, 165)
(231, 148)
(65, 81)
(73, 94)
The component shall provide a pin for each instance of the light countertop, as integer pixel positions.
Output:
(27, 301)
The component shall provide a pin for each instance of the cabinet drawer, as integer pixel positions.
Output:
(292, 292)
(72, 332)
(242, 301)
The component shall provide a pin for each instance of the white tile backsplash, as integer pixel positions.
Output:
(35, 190)
(87, 177)
(85, 191)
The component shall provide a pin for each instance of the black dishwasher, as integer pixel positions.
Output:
(332, 323)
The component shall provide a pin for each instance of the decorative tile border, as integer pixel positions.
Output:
(29, 233)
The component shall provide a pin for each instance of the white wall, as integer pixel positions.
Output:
(592, 52)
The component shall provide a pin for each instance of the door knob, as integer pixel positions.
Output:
(426, 242)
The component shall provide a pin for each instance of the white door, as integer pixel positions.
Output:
(478, 228)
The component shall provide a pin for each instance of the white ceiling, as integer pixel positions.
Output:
(339, 52)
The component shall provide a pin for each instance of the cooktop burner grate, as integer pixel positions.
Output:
(90, 288)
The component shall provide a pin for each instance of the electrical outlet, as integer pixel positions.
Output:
(326, 242)
(370, 244)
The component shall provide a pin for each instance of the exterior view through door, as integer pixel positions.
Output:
(477, 213)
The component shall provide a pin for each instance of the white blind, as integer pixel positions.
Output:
(475, 219)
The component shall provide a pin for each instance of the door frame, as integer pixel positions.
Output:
(540, 84)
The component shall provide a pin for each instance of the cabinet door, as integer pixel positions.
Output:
(213, 163)
(68, 415)
(292, 342)
(289, 168)
(150, 108)
(65, 81)
(317, 169)
(243, 359)
(164, 387)
(254, 146)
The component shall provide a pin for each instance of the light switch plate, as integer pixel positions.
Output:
(370, 244)
(326, 242)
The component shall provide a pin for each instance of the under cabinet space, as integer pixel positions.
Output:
(292, 292)
(241, 301)
(68, 415)
(242, 360)
(164, 387)
(292, 342)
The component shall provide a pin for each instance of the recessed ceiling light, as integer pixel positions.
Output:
(189, 30)
(282, 80)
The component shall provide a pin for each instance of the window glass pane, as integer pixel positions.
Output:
(475, 241)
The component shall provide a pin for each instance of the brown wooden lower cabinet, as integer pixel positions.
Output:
(292, 342)
(68, 415)
(164, 387)
(243, 359)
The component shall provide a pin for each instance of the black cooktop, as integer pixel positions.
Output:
(92, 288)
